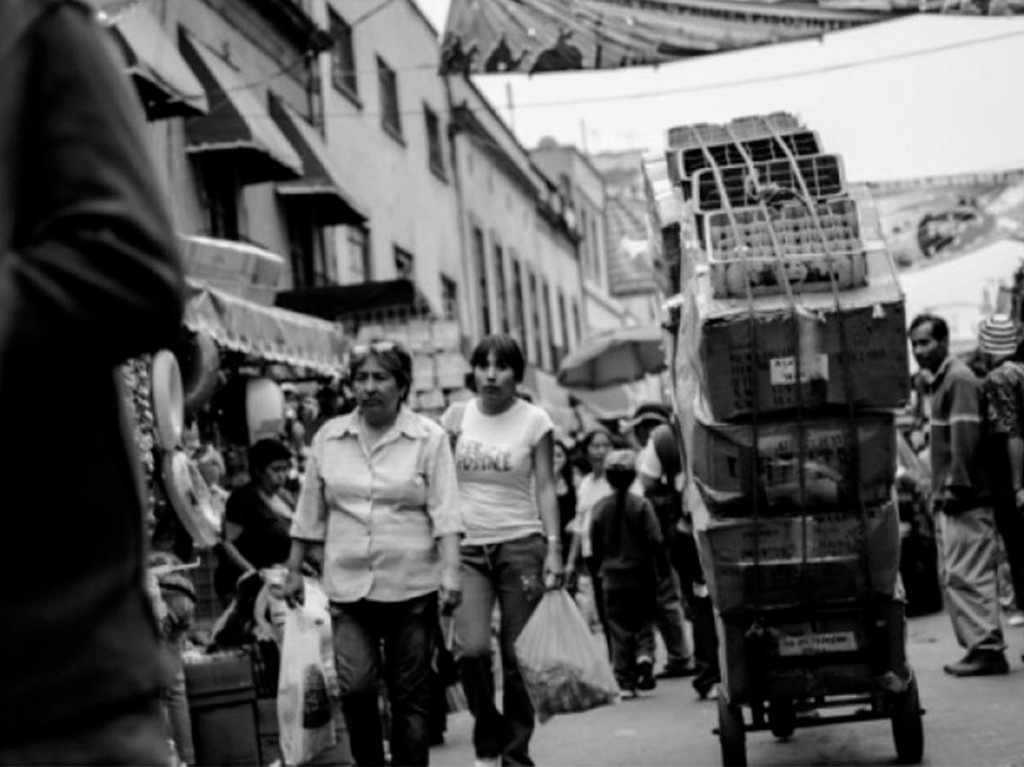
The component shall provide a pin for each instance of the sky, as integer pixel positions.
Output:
(922, 95)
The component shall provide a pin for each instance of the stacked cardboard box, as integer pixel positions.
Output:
(801, 356)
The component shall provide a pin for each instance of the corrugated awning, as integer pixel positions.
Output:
(321, 185)
(345, 301)
(266, 332)
(237, 121)
(166, 84)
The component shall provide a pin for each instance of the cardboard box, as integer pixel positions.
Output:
(751, 362)
(760, 563)
(724, 456)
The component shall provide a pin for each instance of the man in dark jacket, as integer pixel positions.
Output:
(88, 278)
(963, 501)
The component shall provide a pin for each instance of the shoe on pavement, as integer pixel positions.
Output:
(1015, 619)
(678, 670)
(979, 664)
(487, 761)
(645, 674)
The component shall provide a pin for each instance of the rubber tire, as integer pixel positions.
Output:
(782, 720)
(732, 735)
(907, 728)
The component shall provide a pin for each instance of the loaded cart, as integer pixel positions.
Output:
(792, 451)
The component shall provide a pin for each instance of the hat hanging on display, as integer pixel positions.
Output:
(998, 335)
(190, 498)
(264, 409)
(168, 400)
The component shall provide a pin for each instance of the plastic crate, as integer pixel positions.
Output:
(800, 274)
(822, 175)
(743, 128)
(789, 230)
(684, 163)
(217, 673)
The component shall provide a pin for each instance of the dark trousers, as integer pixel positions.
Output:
(1010, 523)
(511, 574)
(684, 558)
(135, 735)
(394, 640)
(597, 590)
(630, 614)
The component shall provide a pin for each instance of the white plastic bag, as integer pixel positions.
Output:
(565, 667)
(308, 682)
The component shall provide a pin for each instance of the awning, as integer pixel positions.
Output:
(166, 84)
(238, 267)
(332, 302)
(321, 185)
(237, 122)
(266, 332)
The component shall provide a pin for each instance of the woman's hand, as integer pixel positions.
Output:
(294, 588)
(451, 590)
(554, 574)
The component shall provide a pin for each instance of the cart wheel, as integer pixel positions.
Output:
(907, 729)
(781, 720)
(731, 733)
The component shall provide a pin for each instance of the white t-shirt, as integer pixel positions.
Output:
(494, 464)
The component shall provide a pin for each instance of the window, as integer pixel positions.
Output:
(343, 57)
(518, 312)
(535, 312)
(449, 298)
(390, 116)
(435, 148)
(313, 263)
(359, 252)
(500, 287)
(220, 192)
(404, 268)
(564, 319)
(480, 251)
(552, 343)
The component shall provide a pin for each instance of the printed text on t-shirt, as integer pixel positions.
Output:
(476, 456)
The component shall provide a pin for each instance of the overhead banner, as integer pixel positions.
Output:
(534, 36)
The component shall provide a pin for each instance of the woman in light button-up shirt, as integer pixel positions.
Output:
(379, 495)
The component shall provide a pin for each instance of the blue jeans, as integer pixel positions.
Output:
(405, 633)
(513, 574)
(132, 736)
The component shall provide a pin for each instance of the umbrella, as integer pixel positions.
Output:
(615, 356)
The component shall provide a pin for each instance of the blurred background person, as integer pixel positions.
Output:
(379, 500)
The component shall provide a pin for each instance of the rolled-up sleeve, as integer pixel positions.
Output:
(310, 520)
(442, 488)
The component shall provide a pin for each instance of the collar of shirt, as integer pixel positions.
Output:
(941, 372)
(406, 424)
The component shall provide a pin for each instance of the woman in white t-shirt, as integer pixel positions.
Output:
(511, 550)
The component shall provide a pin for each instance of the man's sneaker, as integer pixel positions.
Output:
(678, 670)
(989, 663)
(645, 674)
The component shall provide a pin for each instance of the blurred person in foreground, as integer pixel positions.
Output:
(512, 550)
(89, 277)
(1003, 386)
(379, 497)
(963, 501)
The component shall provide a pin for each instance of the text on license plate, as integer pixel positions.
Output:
(813, 644)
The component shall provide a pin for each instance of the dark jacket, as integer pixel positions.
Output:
(88, 278)
(627, 544)
(960, 470)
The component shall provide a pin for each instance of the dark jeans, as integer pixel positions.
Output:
(133, 736)
(684, 558)
(396, 638)
(513, 574)
(1010, 523)
(630, 614)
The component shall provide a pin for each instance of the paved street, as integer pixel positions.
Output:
(968, 722)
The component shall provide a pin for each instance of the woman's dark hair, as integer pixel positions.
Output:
(567, 468)
(587, 438)
(391, 355)
(506, 351)
(264, 453)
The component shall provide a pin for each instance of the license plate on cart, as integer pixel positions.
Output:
(817, 644)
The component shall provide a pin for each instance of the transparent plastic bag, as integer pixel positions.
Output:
(565, 667)
(308, 682)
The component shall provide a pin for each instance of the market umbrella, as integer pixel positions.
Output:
(615, 356)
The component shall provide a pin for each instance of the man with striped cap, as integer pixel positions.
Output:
(962, 499)
(998, 339)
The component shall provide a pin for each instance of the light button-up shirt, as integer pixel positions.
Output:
(379, 509)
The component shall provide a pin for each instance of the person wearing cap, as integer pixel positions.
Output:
(660, 490)
(962, 499)
(998, 339)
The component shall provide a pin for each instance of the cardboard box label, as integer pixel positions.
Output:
(815, 644)
(782, 370)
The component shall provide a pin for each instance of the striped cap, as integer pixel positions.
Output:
(998, 335)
